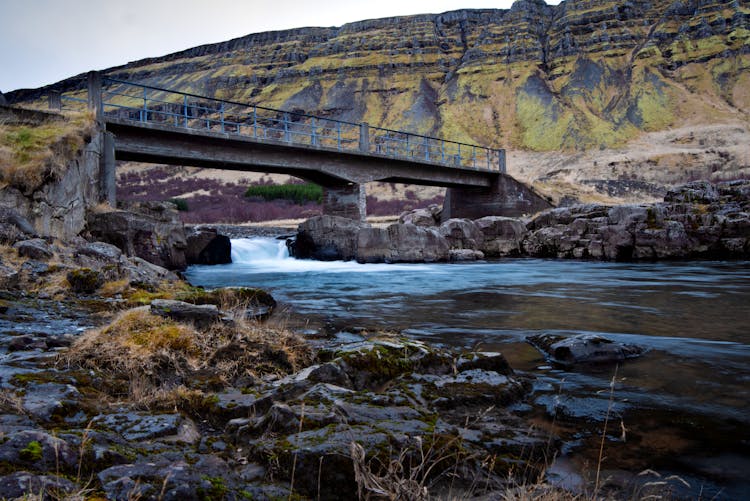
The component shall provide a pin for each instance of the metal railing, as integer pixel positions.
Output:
(146, 104)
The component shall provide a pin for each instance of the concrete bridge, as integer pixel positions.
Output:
(153, 125)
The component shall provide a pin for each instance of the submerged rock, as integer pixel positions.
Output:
(206, 246)
(583, 349)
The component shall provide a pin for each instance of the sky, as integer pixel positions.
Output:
(44, 41)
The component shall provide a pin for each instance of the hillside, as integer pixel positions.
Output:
(583, 78)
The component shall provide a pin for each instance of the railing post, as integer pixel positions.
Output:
(287, 136)
(442, 150)
(54, 100)
(95, 94)
(185, 110)
(364, 137)
(255, 122)
(501, 154)
(221, 112)
(474, 156)
(144, 111)
(427, 149)
(313, 136)
(338, 135)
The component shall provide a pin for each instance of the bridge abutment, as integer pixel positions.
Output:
(506, 197)
(345, 200)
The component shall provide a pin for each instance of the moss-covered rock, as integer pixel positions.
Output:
(84, 280)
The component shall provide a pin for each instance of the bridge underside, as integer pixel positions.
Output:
(341, 174)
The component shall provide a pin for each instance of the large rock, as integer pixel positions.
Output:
(461, 234)
(151, 231)
(401, 243)
(3, 101)
(327, 238)
(201, 315)
(502, 235)
(14, 227)
(422, 217)
(57, 208)
(206, 246)
(583, 349)
(36, 248)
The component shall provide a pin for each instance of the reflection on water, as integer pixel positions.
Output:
(692, 316)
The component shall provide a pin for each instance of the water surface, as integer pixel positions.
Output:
(684, 403)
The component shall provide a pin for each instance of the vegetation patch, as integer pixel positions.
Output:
(155, 360)
(32, 155)
(293, 192)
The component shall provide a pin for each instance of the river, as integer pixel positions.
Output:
(682, 408)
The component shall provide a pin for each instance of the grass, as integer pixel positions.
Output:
(32, 155)
(293, 192)
(154, 362)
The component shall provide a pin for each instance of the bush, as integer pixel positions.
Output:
(181, 203)
(297, 193)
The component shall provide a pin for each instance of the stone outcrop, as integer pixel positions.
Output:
(149, 230)
(502, 236)
(327, 238)
(698, 220)
(207, 246)
(401, 243)
(57, 208)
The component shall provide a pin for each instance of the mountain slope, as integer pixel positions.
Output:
(585, 73)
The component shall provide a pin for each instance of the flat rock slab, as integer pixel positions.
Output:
(201, 315)
(143, 426)
(583, 349)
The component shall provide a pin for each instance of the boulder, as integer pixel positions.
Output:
(421, 217)
(14, 227)
(461, 234)
(8, 277)
(100, 251)
(458, 255)
(35, 248)
(206, 246)
(401, 243)
(26, 485)
(502, 236)
(151, 231)
(200, 315)
(84, 280)
(697, 192)
(583, 349)
(327, 238)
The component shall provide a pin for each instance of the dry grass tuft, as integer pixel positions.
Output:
(154, 361)
(31, 155)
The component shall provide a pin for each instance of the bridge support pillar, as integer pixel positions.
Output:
(506, 197)
(345, 200)
(107, 177)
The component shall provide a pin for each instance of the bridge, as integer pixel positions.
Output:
(154, 125)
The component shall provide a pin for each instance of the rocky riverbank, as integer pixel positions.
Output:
(187, 398)
(698, 221)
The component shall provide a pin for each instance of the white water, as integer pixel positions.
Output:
(272, 256)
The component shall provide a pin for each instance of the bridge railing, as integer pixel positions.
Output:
(143, 103)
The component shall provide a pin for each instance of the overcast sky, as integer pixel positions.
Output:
(44, 41)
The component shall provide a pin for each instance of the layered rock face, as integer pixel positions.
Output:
(698, 220)
(582, 74)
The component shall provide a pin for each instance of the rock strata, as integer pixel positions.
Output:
(698, 220)
(149, 230)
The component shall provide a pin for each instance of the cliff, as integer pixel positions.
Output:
(582, 74)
